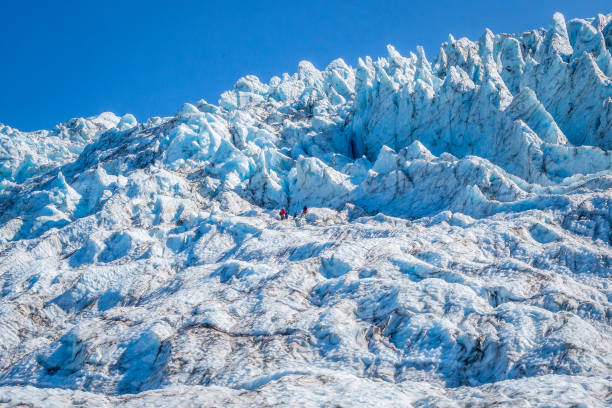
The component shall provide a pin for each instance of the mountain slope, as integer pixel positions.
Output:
(457, 245)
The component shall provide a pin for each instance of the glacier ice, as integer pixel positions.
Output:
(456, 250)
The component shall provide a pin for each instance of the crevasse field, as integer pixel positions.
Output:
(457, 249)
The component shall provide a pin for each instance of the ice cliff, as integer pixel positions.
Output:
(457, 249)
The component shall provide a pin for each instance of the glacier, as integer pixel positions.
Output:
(456, 252)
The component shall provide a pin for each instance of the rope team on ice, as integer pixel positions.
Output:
(285, 215)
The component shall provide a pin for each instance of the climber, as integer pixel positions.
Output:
(304, 211)
(295, 215)
(282, 214)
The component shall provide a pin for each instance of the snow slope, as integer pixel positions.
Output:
(457, 249)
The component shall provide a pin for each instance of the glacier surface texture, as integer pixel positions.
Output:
(457, 248)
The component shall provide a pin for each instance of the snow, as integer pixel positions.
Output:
(456, 249)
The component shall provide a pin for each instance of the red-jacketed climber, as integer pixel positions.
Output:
(283, 214)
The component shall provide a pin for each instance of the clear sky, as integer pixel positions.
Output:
(63, 59)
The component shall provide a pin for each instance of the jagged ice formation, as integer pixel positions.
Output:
(457, 248)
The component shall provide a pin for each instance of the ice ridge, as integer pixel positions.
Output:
(456, 249)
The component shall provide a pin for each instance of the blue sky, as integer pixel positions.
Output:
(62, 59)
